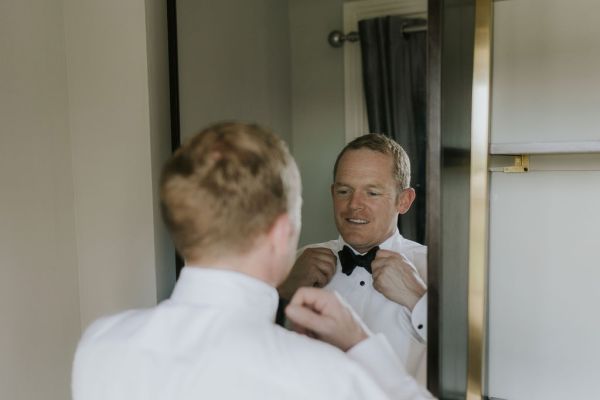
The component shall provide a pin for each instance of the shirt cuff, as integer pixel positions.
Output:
(419, 318)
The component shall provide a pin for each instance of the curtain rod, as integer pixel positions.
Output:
(337, 38)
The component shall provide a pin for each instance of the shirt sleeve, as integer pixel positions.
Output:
(376, 356)
(419, 317)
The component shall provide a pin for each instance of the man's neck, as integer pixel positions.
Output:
(363, 251)
(251, 263)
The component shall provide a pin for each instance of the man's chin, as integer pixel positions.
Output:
(355, 240)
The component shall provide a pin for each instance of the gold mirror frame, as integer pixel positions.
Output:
(479, 198)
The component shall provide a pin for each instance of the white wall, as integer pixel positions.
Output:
(233, 63)
(269, 61)
(39, 301)
(546, 63)
(544, 224)
(317, 110)
(543, 292)
(83, 129)
(110, 123)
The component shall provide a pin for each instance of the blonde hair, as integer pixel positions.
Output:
(382, 144)
(225, 187)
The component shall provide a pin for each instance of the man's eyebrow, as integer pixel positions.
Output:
(375, 185)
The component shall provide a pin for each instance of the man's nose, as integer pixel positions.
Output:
(356, 201)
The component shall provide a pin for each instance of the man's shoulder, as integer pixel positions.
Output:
(415, 252)
(114, 327)
(405, 245)
(102, 349)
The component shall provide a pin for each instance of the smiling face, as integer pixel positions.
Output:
(367, 199)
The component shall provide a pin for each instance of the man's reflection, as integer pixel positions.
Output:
(381, 274)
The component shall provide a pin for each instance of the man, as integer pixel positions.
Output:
(231, 200)
(371, 188)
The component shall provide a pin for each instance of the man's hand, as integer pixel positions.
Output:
(397, 279)
(315, 268)
(322, 315)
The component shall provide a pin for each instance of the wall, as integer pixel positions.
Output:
(83, 112)
(544, 235)
(543, 291)
(317, 109)
(545, 68)
(269, 61)
(109, 119)
(39, 300)
(233, 63)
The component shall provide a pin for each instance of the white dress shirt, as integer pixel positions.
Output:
(215, 339)
(406, 331)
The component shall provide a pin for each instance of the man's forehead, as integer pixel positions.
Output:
(365, 163)
(365, 151)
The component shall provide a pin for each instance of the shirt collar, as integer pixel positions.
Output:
(388, 244)
(202, 285)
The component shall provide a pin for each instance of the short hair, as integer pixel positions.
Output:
(225, 187)
(382, 144)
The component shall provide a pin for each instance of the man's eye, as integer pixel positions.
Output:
(373, 193)
(342, 191)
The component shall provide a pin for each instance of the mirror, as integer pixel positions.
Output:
(270, 62)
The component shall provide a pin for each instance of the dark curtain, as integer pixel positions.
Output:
(393, 63)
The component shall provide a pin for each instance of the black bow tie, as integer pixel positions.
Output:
(349, 260)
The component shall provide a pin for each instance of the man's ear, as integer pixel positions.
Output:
(405, 200)
(280, 232)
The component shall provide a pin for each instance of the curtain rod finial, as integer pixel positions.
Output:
(337, 38)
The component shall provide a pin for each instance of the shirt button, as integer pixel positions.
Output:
(420, 326)
(362, 283)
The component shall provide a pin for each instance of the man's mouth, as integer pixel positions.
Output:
(357, 221)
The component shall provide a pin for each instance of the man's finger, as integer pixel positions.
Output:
(392, 259)
(295, 327)
(309, 296)
(386, 253)
(376, 272)
(321, 252)
(324, 258)
(376, 285)
(327, 268)
(390, 255)
(321, 259)
(320, 279)
(377, 265)
(304, 318)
